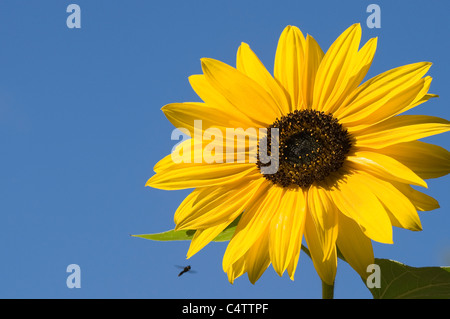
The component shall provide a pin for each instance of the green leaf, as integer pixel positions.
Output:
(172, 235)
(399, 281)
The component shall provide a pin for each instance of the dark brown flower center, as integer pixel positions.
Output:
(312, 145)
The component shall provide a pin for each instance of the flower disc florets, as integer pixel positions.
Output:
(312, 145)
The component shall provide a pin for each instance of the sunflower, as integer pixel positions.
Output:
(346, 159)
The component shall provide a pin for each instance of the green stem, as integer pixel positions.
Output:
(327, 291)
(306, 251)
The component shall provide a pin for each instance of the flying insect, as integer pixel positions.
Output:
(185, 269)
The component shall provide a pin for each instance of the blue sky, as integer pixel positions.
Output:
(81, 128)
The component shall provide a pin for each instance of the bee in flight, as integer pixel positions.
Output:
(185, 269)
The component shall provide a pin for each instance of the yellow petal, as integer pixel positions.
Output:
(185, 115)
(183, 152)
(241, 91)
(421, 97)
(313, 57)
(355, 74)
(253, 222)
(216, 100)
(298, 226)
(421, 201)
(257, 258)
(198, 175)
(167, 162)
(324, 216)
(393, 103)
(248, 63)
(354, 245)
(379, 88)
(326, 268)
(426, 160)
(289, 59)
(384, 167)
(216, 130)
(211, 149)
(164, 163)
(203, 237)
(286, 230)
(400, 209)
(213, 205)
(292, 266)
(399, 129)
(355, 200)
(236, 270)
(255, 261)
(425, 98)
(336, 68)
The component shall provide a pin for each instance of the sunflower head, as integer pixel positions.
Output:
(346, 158)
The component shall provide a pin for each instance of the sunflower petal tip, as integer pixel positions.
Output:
(205, 61)
(251, 279)
(279, 272)
(355, 26)
(179, 225)
(149, 182)
(287, 29)
(427, 65)
(389, 240)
